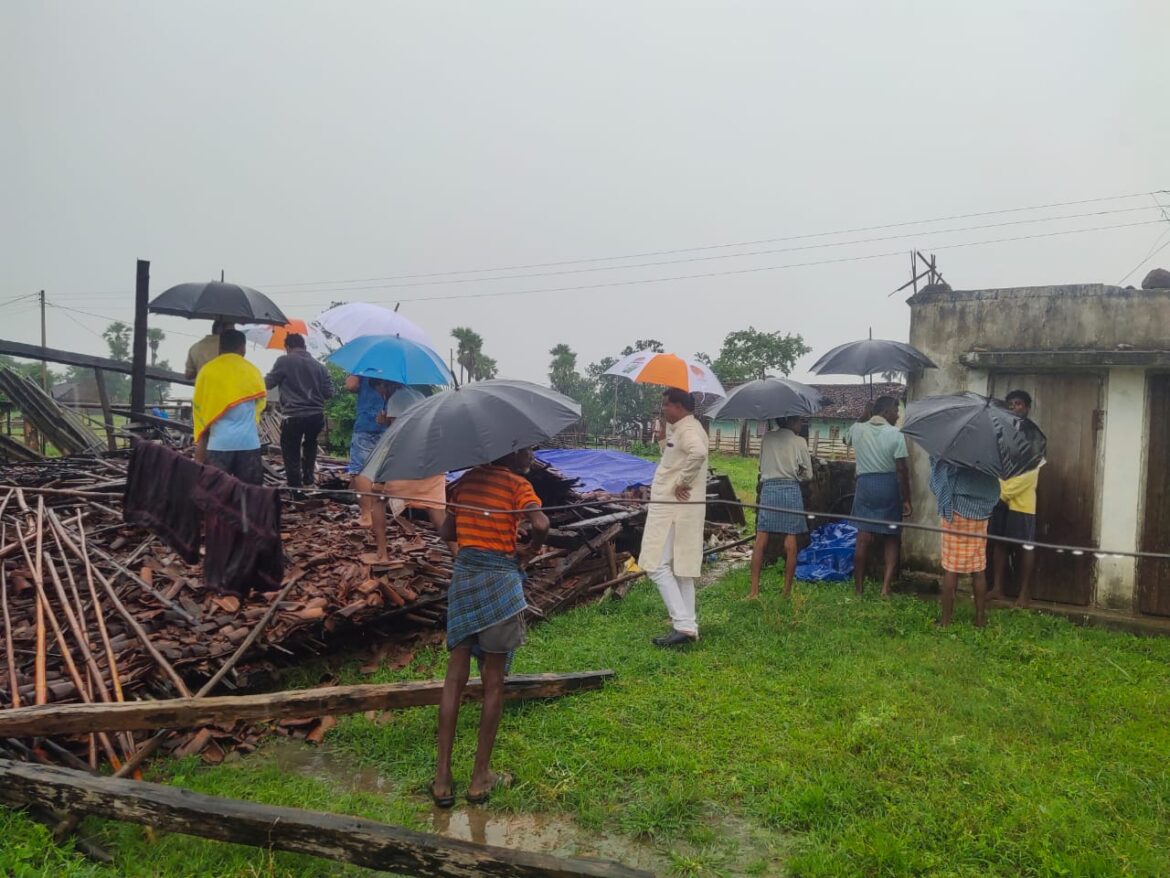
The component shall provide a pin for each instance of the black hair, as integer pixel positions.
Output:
(680, 397)
(231, 340)
(1022, 395)
(294, 340)
(882, 403)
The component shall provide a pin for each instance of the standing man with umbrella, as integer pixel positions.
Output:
(784, 464)
(882, 489)
(304, 386)
(973, 442)
(206, 349)
(229, 398)
(491, 426)
(372, 394)
(966, 498)
(672, 542)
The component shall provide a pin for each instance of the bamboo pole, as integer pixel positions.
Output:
(10, 654)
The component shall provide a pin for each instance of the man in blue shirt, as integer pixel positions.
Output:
(368, 427)
(966, 499)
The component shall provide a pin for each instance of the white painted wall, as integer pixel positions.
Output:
(1122, 486)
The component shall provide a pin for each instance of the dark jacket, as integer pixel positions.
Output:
(304, 384)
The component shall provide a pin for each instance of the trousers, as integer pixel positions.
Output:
(298, 446)
(678, 592)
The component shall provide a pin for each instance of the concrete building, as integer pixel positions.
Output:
(1096, 360)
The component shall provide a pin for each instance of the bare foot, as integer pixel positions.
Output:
(995, 596)
(787, 593)
(753, 595)
(364, 521)
(480, 789)
(374, 558)
(1022, 603)
(886, 592)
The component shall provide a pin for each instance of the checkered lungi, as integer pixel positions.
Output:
(964, 549)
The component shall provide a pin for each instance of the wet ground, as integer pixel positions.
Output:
(735, 848)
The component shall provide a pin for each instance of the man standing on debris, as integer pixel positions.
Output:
(1015, 517)
(372, 394)
(882, 490)
(485, 606)
(784, 464)
(304, 386)
(206, 349)
(229, 397)
(672, 542)
(966, 498)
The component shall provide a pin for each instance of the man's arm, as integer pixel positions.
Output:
(538, 530)
(696, 458)
(275, 377)
(903, 470)
(805, 464)
(201, 447)
(326, 383)
(447, 528)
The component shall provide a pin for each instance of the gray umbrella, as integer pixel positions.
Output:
(215, 299)
(972, 430)
(767, 398)
(473, 424)
(872, 356)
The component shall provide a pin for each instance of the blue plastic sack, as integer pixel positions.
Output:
(829, 555)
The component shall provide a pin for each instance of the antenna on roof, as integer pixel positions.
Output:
(929, 272)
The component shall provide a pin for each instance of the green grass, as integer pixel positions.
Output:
(851, 735)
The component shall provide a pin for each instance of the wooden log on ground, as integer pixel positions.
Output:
(68, 719)
(330, 836)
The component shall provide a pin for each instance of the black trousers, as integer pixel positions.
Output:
(247, 466)
(298, 445)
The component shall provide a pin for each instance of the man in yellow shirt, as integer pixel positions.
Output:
(1015, 517)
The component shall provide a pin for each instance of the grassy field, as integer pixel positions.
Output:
(822, 736)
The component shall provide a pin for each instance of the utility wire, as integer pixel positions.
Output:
(649, 253)
(710, 258)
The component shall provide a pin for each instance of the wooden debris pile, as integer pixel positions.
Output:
(95, 610)
(63, 428)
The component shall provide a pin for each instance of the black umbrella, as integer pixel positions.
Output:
(872, 356)
(214, 300)
(767, 398)
(473, 424)
(972, 430)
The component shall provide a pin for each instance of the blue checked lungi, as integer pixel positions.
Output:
(785, 494)
(486, 588)
(877, 496)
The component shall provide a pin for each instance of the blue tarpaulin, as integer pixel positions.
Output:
(829, 555)
(600, 469)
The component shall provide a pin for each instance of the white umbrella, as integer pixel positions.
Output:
(272, 337)
(357, 319)
(668, 370)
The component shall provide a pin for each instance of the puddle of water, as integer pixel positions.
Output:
(546, 834)
(320, 763)
(737, 849)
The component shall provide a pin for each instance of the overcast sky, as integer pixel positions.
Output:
(295, 143)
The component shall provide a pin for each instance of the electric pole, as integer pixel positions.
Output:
(44, 365)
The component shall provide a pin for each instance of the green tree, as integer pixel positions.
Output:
(748, 354)
(474, 364)
(117, 336)
(615, 404)
(563, 376)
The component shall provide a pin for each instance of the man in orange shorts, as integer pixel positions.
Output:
(966, 498)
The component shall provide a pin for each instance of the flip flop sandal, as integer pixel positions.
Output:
(503, 781)
(441, 801)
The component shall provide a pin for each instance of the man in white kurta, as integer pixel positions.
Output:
(672, 543)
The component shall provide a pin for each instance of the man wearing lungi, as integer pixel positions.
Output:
(485, 606)
(882, 490)
(672, 542)
(966, 499)
(784, 464)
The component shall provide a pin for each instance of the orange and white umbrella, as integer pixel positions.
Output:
(272, 337)
(668, 370)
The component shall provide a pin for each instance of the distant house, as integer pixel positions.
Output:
(844, 404)
(83, 390)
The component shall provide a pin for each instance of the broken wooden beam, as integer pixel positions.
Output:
(329, 836)
(69, 719)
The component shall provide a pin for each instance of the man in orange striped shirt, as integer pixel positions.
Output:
(485, 606)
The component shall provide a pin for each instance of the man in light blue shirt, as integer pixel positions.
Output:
(228, 395)
(882, 490)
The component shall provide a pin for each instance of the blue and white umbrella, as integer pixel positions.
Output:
(391, 358)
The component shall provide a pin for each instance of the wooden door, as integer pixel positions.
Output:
(1067, 407)
(1154, 576)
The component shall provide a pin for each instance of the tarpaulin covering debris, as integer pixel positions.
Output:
(829, 555)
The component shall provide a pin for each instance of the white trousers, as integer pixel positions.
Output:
(678, 592)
